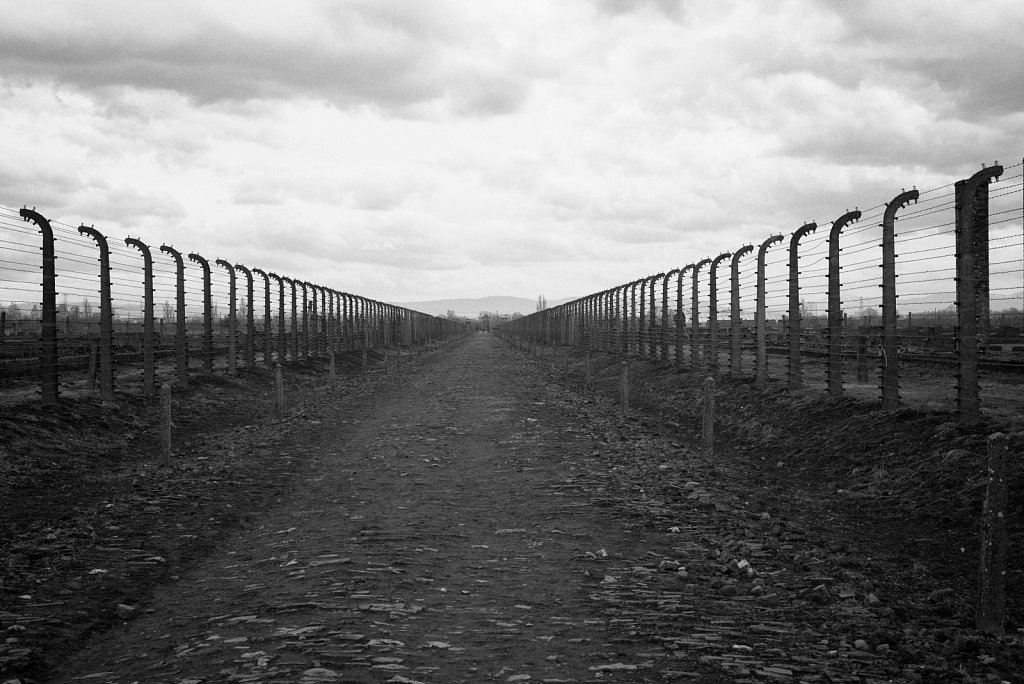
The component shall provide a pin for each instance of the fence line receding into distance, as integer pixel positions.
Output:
(918, 300)
(116, 308)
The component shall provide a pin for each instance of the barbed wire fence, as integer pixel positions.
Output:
(121, 315)
(918, 300)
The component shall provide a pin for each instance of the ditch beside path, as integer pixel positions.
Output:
(476, 521)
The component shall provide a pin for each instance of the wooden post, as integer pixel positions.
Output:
(624, 388)
(94, 355)
(994, 546)
(708, 431)
(862, 358)
(165, 424)
(279, 396)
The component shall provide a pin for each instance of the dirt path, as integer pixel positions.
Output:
(476, 522)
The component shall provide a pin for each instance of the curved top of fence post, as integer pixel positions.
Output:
(104, 250)
(696, 266)
(763, 249)
(167, 249)
(681, 272)
(200, 260)
(898, 202)
(266, 276)
(985, 175)
(841, 222)
(95, 235)
(738, 254)
(244, 270)
(800, 232)
(147, 256)
(44, 227)
(719, 259)
(275, 277)
(37, 218)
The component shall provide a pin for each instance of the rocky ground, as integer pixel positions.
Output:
(477, 514)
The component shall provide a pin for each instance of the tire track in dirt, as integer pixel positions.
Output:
(477, 522)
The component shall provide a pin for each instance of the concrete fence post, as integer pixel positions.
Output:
(148, 338)
(664, 313)
(305, 318)
(972, 291)
(695, 336)
(106, 341)
(760, 315)
(627, 315)
(345, 334)
(795, 314)
(641, 322)
(207, 312)
(181, 340)
(711, 353)
(834, 369)
(332, 321)
(282, 332)
(49, 382)
(634, 320)
(890, 342)
(680, 315)
(294, 327)
(325, 322)
(735, 313)
(267, 320)
(651, 318)
(314, 321)
(232, 319)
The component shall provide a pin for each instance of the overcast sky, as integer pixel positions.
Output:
(414, 150)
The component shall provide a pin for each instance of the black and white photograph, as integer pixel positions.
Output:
(554, 341)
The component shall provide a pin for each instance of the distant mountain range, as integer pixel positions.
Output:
(472, 308)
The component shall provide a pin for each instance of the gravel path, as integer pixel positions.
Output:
(476, 521)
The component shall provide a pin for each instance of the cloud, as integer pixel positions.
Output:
(669, 8)
(120, 203)
(972, 57)
(387, 55)
(457, 147)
